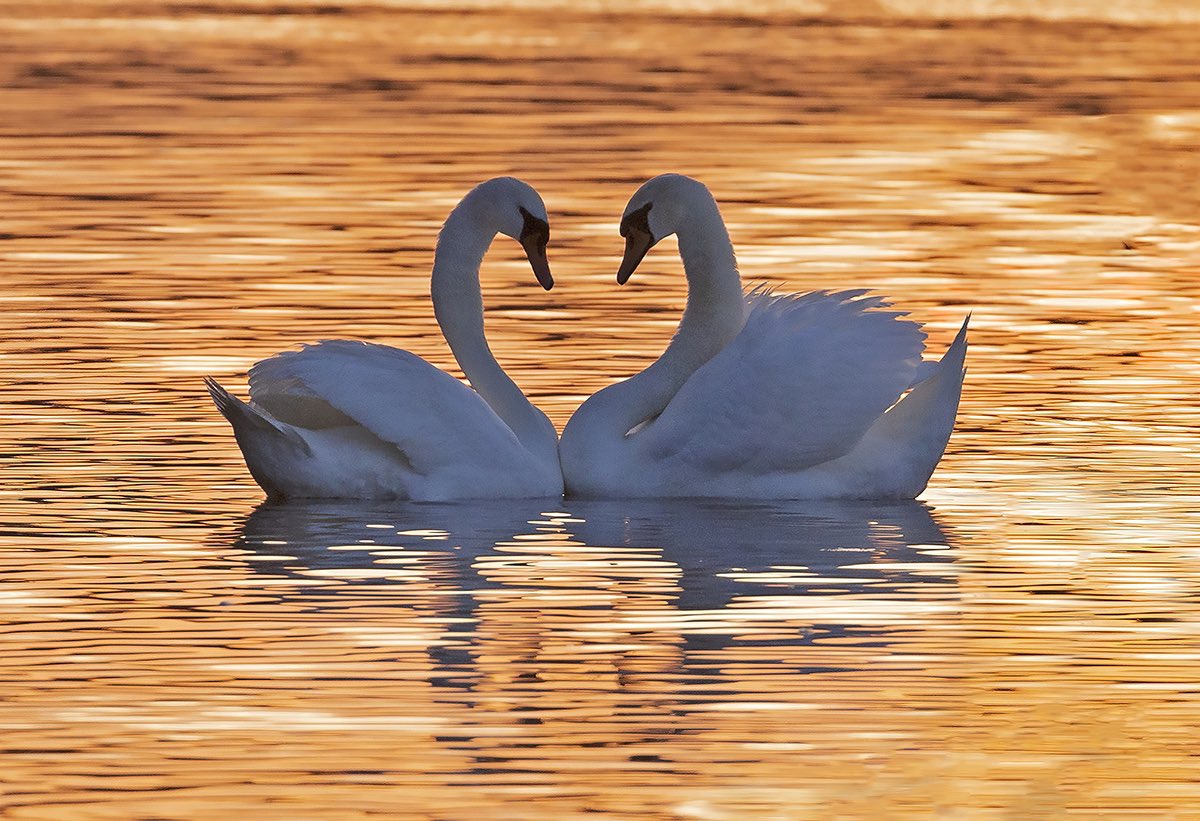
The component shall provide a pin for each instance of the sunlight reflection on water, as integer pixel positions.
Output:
(186, 194)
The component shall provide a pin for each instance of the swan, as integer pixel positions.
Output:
(356, 420)
(762, 395)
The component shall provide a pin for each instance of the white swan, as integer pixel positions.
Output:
(354, 420)
(760, 395)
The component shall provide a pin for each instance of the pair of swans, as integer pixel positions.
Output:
(758, 395)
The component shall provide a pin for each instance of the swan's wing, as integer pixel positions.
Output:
(799, 385)
(433, 418)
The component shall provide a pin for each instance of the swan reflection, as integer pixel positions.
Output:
(653, 628)
(694, 554)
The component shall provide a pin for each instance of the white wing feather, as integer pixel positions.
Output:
(800, 384)
(433, 418)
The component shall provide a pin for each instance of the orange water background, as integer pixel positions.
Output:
(186, 188)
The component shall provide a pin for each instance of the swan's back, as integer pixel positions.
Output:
(433, 418)
(804, 380)
(354, 419)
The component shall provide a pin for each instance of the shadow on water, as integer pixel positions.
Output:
(703, 553)
(726, 549)
(564, 594)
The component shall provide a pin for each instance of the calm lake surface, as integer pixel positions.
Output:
(188, 188)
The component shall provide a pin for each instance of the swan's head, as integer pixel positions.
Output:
(514, 209)
(656, 211)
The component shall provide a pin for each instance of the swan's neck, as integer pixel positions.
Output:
(716, 306)
(458, 306)
(715, 313)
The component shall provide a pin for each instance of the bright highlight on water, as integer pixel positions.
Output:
(189, 189)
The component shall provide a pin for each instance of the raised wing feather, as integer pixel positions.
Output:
(799, 385)
(433, 418)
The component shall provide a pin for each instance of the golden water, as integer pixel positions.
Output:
(187, 188)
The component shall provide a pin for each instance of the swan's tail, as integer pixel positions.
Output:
(907, 442)
(247, 420)
(268, 446)
(225, 401)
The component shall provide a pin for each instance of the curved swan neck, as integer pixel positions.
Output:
(715, 313)
(458, 307)
(715, 310)
(716, 305)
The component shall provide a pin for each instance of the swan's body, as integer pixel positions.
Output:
(758, 395)
(352, 420)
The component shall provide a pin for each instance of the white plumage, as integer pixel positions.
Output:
(762, 395)
(346, 419)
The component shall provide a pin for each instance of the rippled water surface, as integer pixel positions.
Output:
(187, 188)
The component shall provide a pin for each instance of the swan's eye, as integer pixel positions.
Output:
(637, 222)
(534, 230)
